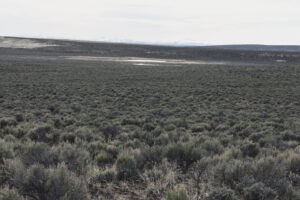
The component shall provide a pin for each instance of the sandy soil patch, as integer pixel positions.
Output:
(22, 43)
(142, 61)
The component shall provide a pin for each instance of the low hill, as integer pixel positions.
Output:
(252, 47)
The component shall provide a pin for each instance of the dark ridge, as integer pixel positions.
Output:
(210, 53)
(257, 47)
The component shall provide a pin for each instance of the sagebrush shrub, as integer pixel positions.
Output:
(10, 138)
(259, 191)
(182, 123)
(162, 140)
(126, 168)
(200, 127)
(68, 137)
(7, 193)
(184, 154)
(110, 131)
(104, 158)
(7, 121)
(290, 136)
(270, 172)
(85, 133)
(221, 194)
(212, 147)
(295, 165)
(54, 109)
(177, 195)
(255, 137)
(76, 158)
(106, 176)
(148, 127)
(39, 134)
(148, 157)
(5, 150)
(19, 117)
(113, 150)
(38, 182)
(39, 153)
(234, 173)
(250, 149)
(199, 171)
(64, 185)
(129, 121)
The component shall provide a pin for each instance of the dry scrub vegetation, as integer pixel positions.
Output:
(118, 131)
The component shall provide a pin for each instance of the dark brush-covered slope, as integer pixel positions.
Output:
(253, 47)
(84, 48)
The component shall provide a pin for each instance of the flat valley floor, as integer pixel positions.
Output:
(100, 121)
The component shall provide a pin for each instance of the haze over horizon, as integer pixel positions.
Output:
(213, 22)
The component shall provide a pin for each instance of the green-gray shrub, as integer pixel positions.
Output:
(7, 193)
(183, 154)
(38, 182)
(39, 153)
(295, 165)
(76, 158)
(40, 133)
(221, 194)
(250, 149)
(259, 191)
(177, 195)
(126, 168)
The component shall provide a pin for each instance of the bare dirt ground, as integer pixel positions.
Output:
(142, 61)
(22, 43)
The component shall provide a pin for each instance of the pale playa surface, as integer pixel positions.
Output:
(21, 43)
(141, 61)
(145, 64)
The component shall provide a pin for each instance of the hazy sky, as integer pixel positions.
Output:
(201, 21)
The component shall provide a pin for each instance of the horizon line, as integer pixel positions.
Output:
(137, 42)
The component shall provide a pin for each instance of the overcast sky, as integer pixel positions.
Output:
(199, 21)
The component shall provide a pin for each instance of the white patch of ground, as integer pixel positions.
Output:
(22, 43)
(145, 64)
(281, 61)
(146, 61)
(142, 61)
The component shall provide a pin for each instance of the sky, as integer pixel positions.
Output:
(211, 22)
